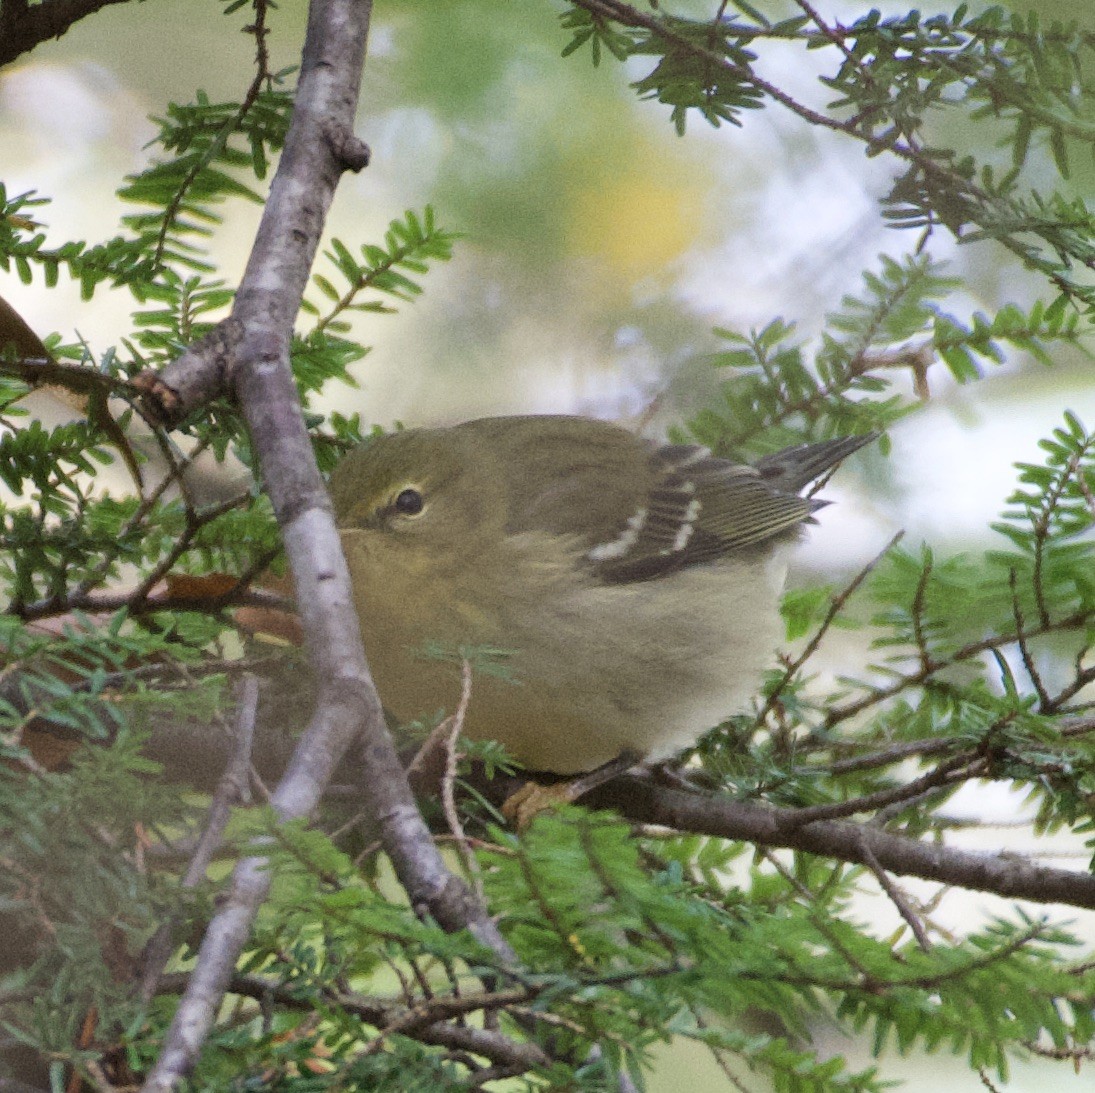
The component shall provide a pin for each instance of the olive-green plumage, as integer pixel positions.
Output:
(635, 584)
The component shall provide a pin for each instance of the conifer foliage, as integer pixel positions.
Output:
(725, 909)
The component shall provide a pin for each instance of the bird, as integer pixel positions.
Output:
(635, 586)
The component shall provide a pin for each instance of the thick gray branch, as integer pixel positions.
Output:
(253, 357)
(1007, 875)
(261, 328)
(638, 798)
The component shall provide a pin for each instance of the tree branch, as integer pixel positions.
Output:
(426, 1023)
(22, 27)
(197, 753)
(232, 788)
(898, 138)
(255, 362)
(1009, 875)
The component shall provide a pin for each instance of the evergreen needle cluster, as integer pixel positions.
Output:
(975, 666)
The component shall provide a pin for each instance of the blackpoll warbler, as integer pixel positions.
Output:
(636, 585)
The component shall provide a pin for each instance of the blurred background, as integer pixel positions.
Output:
(599, 251)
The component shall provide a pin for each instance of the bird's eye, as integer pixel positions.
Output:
(409, 503)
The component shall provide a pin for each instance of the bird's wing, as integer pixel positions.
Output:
(697, 509)
(643, 510)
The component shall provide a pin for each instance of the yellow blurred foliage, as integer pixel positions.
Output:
(637, 217)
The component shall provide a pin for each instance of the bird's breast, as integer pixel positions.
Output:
(593, 669)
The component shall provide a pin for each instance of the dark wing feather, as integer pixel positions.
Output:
(793, 468)
(700, 508)
(642, 510)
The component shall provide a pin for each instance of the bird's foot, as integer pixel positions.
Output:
(522, 807)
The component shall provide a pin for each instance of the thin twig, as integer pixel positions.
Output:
(448, 781)
(883, 797)
(718, 1053)
(414, 1022)
(835, 607)
(258, 28)
(1044, 701)
(876, 695)
(898, 899)
(1081, 678)
(895, 753)
(233, 788)
(933, 170)
(95, 1074)
(150, 604)
(927, 664)
(174, 474)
